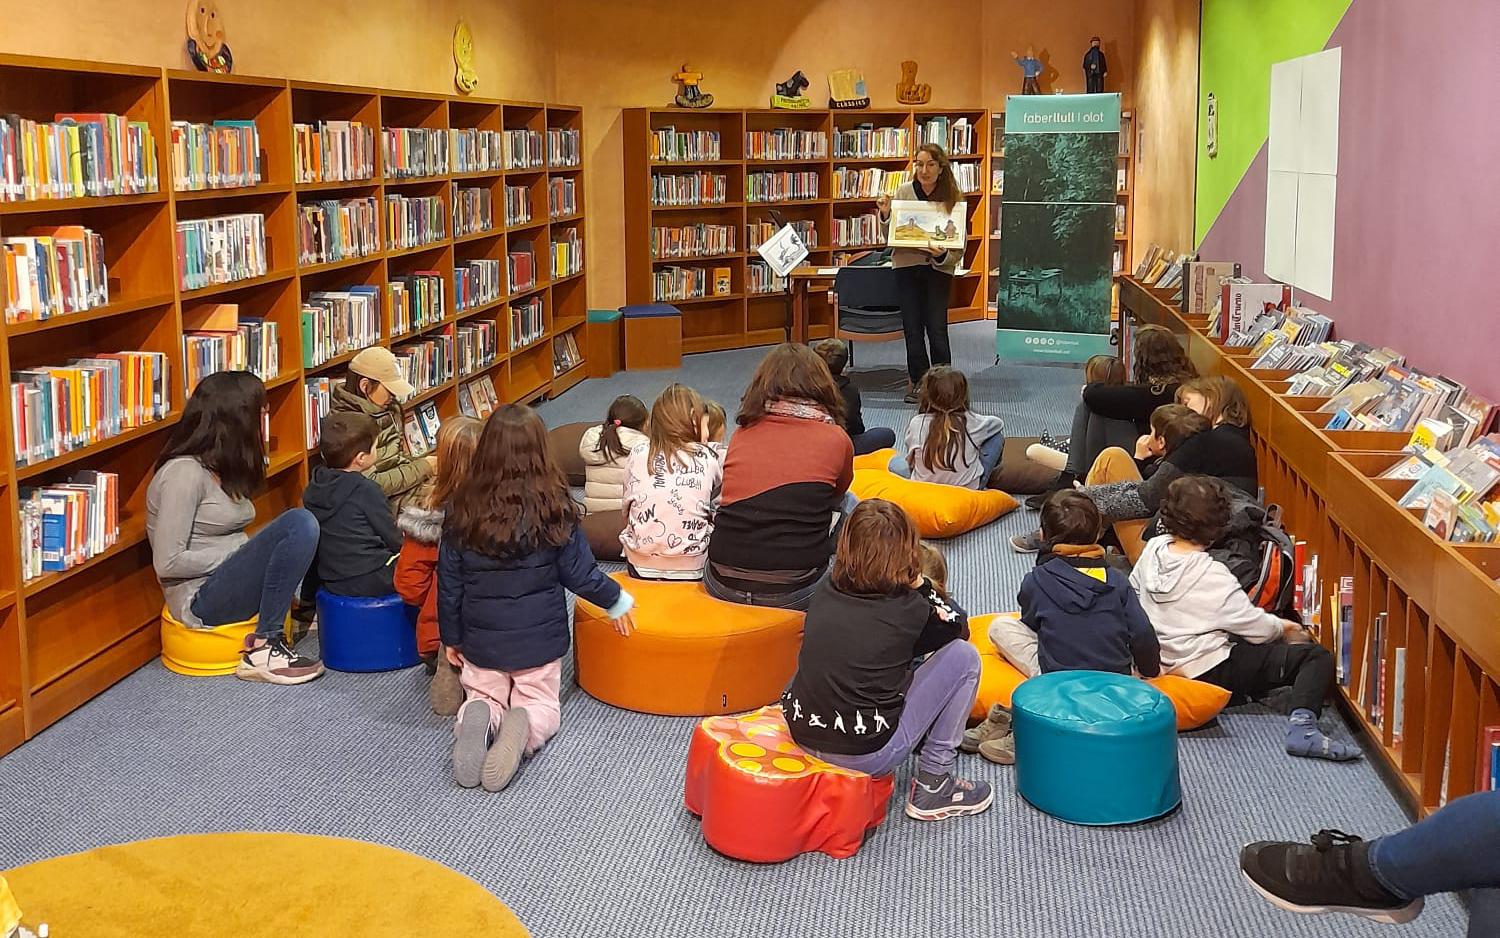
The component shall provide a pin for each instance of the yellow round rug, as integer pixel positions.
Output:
(248, 885)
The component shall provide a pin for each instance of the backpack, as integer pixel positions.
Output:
(1257, 552)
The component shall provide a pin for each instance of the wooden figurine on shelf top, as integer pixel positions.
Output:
(205, 44)
(789, 96)
(846, 90)
(907, 89)
(1095, 67)
(1031, 70)
(465, 78)
(691, 95)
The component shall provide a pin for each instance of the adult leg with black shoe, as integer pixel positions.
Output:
(923, 291)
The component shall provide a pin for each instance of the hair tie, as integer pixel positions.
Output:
(617, 423)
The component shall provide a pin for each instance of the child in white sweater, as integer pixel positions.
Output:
(946, 442)
(1198, 610)
(605, 449)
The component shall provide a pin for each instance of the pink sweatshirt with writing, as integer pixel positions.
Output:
(669, 509)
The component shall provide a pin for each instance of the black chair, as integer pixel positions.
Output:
(867, 306)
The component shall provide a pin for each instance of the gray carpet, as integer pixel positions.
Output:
(592, 839)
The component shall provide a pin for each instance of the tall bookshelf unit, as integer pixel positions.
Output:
(66, 636)
(741, 317)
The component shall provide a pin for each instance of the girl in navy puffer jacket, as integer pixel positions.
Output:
(510, 548)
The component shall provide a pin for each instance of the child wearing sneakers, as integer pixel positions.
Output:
(510, 551)
(1209, 630)
(855, 700)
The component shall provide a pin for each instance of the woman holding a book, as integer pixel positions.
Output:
(924, 276)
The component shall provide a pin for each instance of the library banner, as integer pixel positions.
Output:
(1054, 277)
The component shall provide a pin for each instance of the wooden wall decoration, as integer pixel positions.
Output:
(205, 44)
(908, 91)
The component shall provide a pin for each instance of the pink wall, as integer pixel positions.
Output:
(1417, 230)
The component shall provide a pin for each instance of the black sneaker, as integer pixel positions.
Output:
(1064, 480)
(1331, 875)
(1052, 442)
(945, 797)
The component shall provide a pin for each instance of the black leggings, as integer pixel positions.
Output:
(923, 292)
(1253, 671)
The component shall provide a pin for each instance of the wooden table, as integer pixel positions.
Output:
(802, 279)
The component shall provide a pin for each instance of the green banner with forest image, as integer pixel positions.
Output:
(1052, 295)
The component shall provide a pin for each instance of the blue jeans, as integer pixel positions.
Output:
(261, 577)
(873, 439)
(798, 599)
(937, 709)
(1454, 848)
(989, 458)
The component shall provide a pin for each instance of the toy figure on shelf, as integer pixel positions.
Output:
(1095, 67)
(691, 95)
(907, 89)
(789, 96)
(465, 78)
(1031, 70)
(846, 89)
(205, 44)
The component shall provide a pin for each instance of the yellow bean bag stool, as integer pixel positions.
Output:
(202, 652)
(1196, 702)
(938, 510)
(690, 655)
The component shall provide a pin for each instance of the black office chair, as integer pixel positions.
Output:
(867, 306)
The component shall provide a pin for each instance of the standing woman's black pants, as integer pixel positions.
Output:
(923, 292)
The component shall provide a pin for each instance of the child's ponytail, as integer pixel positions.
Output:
(626, 411)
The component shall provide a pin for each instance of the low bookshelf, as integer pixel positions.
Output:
(357, 189)
(700, 187)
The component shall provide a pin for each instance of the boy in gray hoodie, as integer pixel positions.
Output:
(1210, 631)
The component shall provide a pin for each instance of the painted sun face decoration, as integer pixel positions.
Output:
(465, 78)
(205, 27)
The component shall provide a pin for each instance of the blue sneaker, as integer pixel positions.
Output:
(935, 798)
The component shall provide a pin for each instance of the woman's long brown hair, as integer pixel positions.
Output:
(945, 396)
(1159, 358)
(879, 552)
(457, 439)
(516, 498)
(790, 372)
(676, 419)
(945, 190)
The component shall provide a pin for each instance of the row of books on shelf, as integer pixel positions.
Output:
(61, 408)
(68, 523)
(427, 362)
(476, 283)
(870, 142)
(565, 354)
(413, 152)
(221, 155)
(415, 301)
(668, 144)
(759, 232)
(75, 156)
(476, 344)
(477, 398)
(53, 271)
(221, 249)
(564, 147)
(687, 283)
(702, 240)
(786, 143)
(477, 151)
(521, 270)
(671, 190)
(527, 322)
(517, 205)
(473, 211)
(866, 183)
(858, 230)
(420, 427)
(562, 197)
(412, 221)
(967, 175)
(337, 229)
(318, 398)
(955, 136)
(567, 255)
(254, 346)
(781, 186)
(523, 149)
(335, 322)
(333, 151)
(1457, 491)
(760, 278)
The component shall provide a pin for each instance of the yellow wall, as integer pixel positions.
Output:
(1166, 96)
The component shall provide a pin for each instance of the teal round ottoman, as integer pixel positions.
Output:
(1096, 748)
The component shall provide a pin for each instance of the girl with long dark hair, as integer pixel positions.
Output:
(947, 442)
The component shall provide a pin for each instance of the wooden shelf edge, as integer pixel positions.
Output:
(33, 470)
(132, 533)
(108, 310)
(65, 692)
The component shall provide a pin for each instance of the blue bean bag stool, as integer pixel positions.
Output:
(362, 634)
(1095, 748)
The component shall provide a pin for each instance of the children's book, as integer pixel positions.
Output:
(926, 225)
(1436, 479)
(415, 441)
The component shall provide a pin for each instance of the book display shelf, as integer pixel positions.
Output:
(1124, 208)
(67, 635)
(1422, 666)
(712, 178)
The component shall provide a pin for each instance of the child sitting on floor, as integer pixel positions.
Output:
(672, 488)
(1052, 452)
(855, 700)
(835, 353)
(416, 568)
(934, 566)
(1209, 630)
(357, 535)
(510, 551)
(605, 449)
(946, 442)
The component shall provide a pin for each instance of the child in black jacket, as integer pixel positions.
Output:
(357, 536)
(835, 353)
(855, 700)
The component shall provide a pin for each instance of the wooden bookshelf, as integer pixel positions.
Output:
(1439, 599)
(65, 637)
(742, 318)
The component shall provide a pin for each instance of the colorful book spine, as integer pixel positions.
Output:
(337, 229)
(221, 155)
(412, 221)
(67, 524)
(673, 190)
(477, 282)
(221, 249)
(75, 156)
(786, 143)
(335, 322)
(62, 408)
(781, 187)
(524, 149)
(567, 254)
(701, 240)
(254, 347)
(478, 151)
(53, 272)
(526, 323)
(333, 151)
(564, 148)
(473, 211)
(415, 152)
(562, 197)
(670, 145)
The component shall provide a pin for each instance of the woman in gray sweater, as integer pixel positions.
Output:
(924, 277)
(197, 508)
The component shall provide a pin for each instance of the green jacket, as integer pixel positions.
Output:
(399, 474)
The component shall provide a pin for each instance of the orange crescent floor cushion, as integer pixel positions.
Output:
(938, 510)
(691, 654)
(763, 799)
(1196, 702)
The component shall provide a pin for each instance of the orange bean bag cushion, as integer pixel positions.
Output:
(765, 800)
(937, 510)
(1196, 702)
(691, 654)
